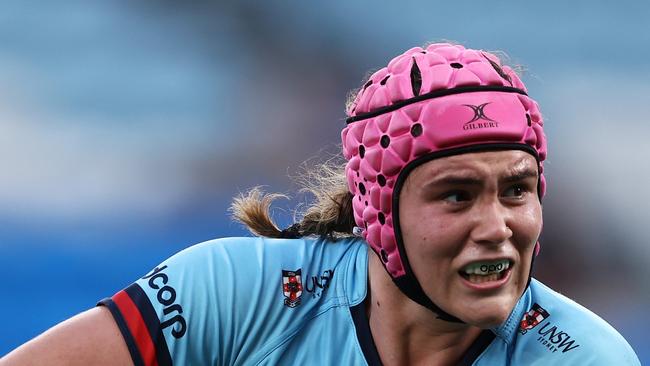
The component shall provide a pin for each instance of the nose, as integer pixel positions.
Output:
(490, 223)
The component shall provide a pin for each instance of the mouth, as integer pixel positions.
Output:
(486, 275)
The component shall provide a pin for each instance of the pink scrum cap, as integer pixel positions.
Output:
(428, 103)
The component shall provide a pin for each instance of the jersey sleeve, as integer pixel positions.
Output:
(232, 301)
(167, 316)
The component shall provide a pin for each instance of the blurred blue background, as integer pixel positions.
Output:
(127, 126)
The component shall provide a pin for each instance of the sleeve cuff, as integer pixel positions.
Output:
(140, 326)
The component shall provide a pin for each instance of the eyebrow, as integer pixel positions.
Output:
(523, 174)
(456, 180)
(470, 180)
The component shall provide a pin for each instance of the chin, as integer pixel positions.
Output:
(487, 322)
(489, 315)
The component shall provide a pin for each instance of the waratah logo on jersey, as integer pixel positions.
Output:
(291, 287)
(479, 115)
(533, 317)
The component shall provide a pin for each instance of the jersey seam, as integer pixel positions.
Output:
(352, 263)
(288, 336)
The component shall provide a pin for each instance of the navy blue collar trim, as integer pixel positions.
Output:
(480, 344)
(362, 325)
(360, 318)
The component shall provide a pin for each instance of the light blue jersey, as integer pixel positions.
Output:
(259, 301)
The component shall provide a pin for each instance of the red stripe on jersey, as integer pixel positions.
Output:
(137, 327)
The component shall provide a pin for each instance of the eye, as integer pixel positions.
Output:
(516, 191)
(457, 196)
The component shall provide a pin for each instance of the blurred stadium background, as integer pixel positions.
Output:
(127, 126)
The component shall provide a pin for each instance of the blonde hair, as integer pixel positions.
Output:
(329, 214)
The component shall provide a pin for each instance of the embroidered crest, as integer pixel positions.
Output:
(291, 287)
(533, 317)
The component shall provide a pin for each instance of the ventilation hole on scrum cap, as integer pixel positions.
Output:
(366, 203)
(381, 218)
(416, 130)
(385, 141)
(381, 180)
(384, 256)
(357, 174)
(362, 189)
(362, 152)
(416, 78)
(528, 119)
(383, 81)
(367, 84)
(499, 70)
(456, 65)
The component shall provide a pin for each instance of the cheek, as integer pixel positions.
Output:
(528, 224)
(430, 233)
(527, 229)
(431, 246)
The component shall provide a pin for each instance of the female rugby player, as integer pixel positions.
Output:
(418, 252)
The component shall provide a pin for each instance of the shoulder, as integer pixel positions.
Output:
(558, 329)
(247, 252)
(246, 295)
(239, 265)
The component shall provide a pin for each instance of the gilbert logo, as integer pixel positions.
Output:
(479, 115)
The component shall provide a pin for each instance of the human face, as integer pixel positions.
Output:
(472, 209)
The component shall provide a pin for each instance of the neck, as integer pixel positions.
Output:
(407, 333)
